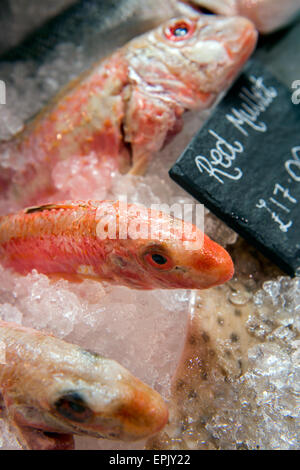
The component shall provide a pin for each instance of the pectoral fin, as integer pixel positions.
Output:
(139, 167)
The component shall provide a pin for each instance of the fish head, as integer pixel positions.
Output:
(164, 252)
(77, 392)
(172, 264)
(108, 402)
(193, 59)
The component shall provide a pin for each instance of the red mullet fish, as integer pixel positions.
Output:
(133, 246)
(128, 106)
(51, 390)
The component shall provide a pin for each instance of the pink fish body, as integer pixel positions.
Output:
(51, 390)
(267, 15)
(128, 106)
(132, 246)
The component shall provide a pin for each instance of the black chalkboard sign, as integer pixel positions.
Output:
(244, 165)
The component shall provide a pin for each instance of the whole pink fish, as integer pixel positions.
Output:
(267, 15)
(132, 246)
(128, 106)
(51, 390)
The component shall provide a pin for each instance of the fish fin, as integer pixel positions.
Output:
(139, 167)
(54, 277)
(48, 207)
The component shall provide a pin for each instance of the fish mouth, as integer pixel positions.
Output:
(244, 41)
(249, 38)
(240, 47)
(60, 441)
(213, 269)
(37, 439)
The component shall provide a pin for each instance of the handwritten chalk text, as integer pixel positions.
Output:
(282, 201)
(255, 101)
(296, 93)
(223, 155)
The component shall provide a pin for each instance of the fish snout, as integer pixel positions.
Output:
(240, 37)
(212, 265)
(144, 413)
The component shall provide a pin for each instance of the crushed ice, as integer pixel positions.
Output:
(266, 415)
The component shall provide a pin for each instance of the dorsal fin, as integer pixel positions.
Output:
(48, 207)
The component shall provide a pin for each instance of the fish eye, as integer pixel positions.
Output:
(180, 30)
(72, 406)
(158, 260)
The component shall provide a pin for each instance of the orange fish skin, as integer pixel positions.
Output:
(64, 240)
(52, 390)
(128, 106)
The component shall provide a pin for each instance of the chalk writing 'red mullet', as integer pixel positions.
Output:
(255, 101)
(219, 156)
